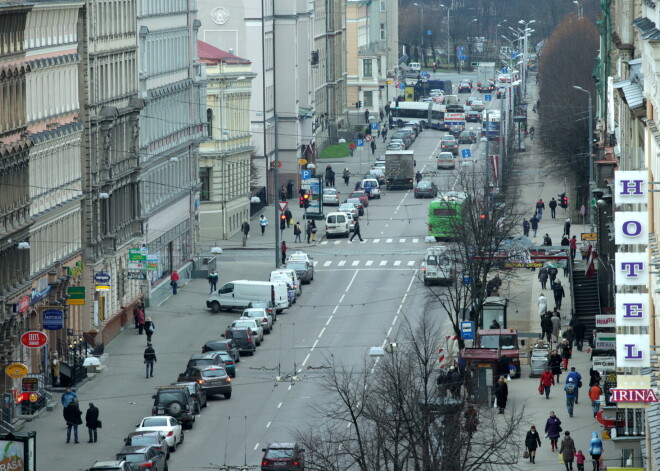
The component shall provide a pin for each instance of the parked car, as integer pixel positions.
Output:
(283, 456)
(197, 393)
(175, 402)
(378, 173)
(269, 306)
(155, 439)
(119, 465)
(404, 136)
(223, 345)
(213, 379)
(361, 195)
(467, 137)
(243, 339)
(168, 426)
(204, 359)
(348, 207)
(448, 143)
(304, 270)
(255, 328)
(426, 189)
(330, 197)
(358, 205)
(446, 160)
(229, 363)
(352, 217)
(398, 145)
(261, 316)
(143, 457)
(290, 277)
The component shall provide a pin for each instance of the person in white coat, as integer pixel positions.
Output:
(542, 304)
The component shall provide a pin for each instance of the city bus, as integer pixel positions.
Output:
(446, 215)
(429, 114)
(492, 129)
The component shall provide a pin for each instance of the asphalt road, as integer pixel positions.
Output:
(360, 295)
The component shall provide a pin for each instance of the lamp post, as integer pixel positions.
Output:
(591, 150)
(526, 32)
(421, 23)
(497, 30)
(579, 9)
(448, 38)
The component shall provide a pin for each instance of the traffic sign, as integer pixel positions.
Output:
(488, 97)
(34, 339)
(466, 153)
(425, 74)
(360, 142)
(374, 126)
(402, 86)
(279, 164)
(282, 205)
(467, 330)
(367, 138)
(467, 280)
(306, 174)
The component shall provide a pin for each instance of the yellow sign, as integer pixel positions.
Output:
(302, 161)
(75, 302)
(589, 236)
(34, 397)
(102, 288)
(17, 370)
(389, 82)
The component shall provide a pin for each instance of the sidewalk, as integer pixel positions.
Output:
(539, 181)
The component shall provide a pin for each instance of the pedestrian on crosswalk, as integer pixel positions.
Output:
(297, 231)
(356, 231)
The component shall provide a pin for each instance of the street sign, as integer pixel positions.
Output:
(17, 370)
(137, 265)
(76, 295)
(138, 254)
(467, 280)
(593, 202)
(302, 161)
(53, 319)
(488, 97)
(463, 61)
(34, 339)
(367, 138)
(467, 330)
(103, 277)
(360, 142)
(402, 86)
(603, 363)
(282, 205)
(429, 32)
(466, 153)
(374, 126)
(306, 174)
(137, 275)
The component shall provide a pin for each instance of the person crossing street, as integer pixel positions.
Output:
(356, 231)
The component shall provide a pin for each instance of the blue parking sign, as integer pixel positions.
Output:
(488, 97)
(360, 142)
(374, 126)
(466, 153)
(306, 174)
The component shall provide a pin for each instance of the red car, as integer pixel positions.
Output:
(362, 196)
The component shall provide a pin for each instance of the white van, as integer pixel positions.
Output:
(239, 294)
(287, 275)
(371, 184)
(336, 224)
(415, 66)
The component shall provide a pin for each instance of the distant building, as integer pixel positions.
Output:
(224, 164)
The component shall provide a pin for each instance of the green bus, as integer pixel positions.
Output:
(446, 215)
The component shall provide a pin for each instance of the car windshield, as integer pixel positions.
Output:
(236, 334)
(157, 421)
(448, 139)
(357, 194)
(214, 373)
(329, 191)
(134, 457)
(346, 207)
(466, 133)
(424, 185)
(297, 265)
(243, 324)
(201, 362)
(138, 440)
(280, 453)
(215, 345)
(431, 260)
(225, 357)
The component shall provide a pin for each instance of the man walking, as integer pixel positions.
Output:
(263, 222)
(573, 245)
(546, 327)
(283, 250)
(567, 227)
(297, 231)
(577, 380)
(373, 147)
(149, 328)
(245, 228)
(534, 222)
(92, 422)
(525, 225)
(540, 206)
(213, 280)
(579, 329)
(149, 360)
(547, 381)
(174, 282)
(553, 207)
(558, 290)
(308, 230)
(570, 389)
(289, 217)
(356, 231)
(594, 394)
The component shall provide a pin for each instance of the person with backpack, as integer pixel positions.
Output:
(571, 392)
(552, 273)
(595, 450)
(577, 379)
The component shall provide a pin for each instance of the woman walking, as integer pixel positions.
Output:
(313, 230)
(553, 429)
(501, 394)
(140, 319)
(554, 362)
(568, 450)
(565, 353)
(174, 282)
(149, 328)
(346, 174)
(532, 442)
(283, 252)
(595, 450)
(308, 230)
(547, 381)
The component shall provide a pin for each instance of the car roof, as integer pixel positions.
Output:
(448, 137)
(144, 432)
(202, 356)
(108, 464)
(282, 445)
(130, 449)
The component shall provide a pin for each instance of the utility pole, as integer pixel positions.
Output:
(487, 160)
(501, 150)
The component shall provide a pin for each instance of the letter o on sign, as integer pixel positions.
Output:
(632, 228)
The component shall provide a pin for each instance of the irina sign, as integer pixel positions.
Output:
(633, 395)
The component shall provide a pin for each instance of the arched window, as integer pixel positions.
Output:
(209, 122)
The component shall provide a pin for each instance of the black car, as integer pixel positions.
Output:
(144, 457)
(456, 129)
(176, 402)
(243, 340)
(223, 345)
(467, 137)
(142, 439)
(426, 189)
(448, 144)
(464, 87)
(198, 394)
(473, 116)
(283, 457)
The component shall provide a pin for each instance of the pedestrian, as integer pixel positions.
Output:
(573, 245)
(532, 442)
(501, 394)
(67, 396)
(141, 320)
(289, 217)
(565, 354)
(540, 206)
(366, 116)
(356, 231)
(289, 189)
(351, 148)
(213, 280)
(373, 147)
(346, 174)
(553, 207)
(150, 359)
(297, 231)
(594, 394)
(418, 177)
(308, 230)
(384, 135)
(72, 415)
(569, 335)
(525, 225)
(546, 327)
(149, 328)
(565, 242)
(567, 449)
(282, 193)
(567, 227)
(595, 450)
(174, 283)
(283, 249)
(577, 380)
(135, 316)
(547, 381)
(559, 293)
(579, 459)
(556, 325)
(579, 329)
(534, 222)
(553, 429)
(531, 133)
(313, 230)
(92, 422)
(542, 304)
(55, 369)
(494, 324)
(543, 277)
(594, 377)
(552, 273)
(263, 222)
(547, 240)
(554, 362)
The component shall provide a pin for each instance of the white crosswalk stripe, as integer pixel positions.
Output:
(337, 242)
(376, 241)
(397, 263)
(327, 264)
(325, 242)
(315, 262)
(411, 263)
(415, 241)
(389, 241)
(355, 263)
(383, 263)
(369, 263)
(341, 263)
(402, 241)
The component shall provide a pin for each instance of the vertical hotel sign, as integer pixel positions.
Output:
(632, 269)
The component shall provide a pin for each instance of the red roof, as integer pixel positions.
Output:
(212, 55)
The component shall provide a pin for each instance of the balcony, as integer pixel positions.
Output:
(372, 49)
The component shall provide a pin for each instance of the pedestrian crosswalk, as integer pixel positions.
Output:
(413, 240)
(366, 263)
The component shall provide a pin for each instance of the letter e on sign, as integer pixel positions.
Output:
(34, 339)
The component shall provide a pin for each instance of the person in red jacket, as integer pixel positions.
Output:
(174, 281)
(547, 380)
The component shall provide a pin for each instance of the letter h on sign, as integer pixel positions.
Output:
(631, 187)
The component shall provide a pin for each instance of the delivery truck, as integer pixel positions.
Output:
(399, 169)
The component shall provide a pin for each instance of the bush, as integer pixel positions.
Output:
(334, 151)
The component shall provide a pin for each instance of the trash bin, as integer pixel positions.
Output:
(539, 362)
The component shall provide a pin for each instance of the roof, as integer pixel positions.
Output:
(647, 29)
(632, 92)
(212, 55)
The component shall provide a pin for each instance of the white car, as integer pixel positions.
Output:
(330, 197)
(348, 208)
(168, 426)
(254, 326)
(351, 219)
(289, 277)
(477, 105)
(372, 184)
(260, 315)
(299, 256)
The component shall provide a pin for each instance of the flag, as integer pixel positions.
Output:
(591, 262)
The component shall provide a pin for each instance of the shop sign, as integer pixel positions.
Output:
(632, 310)
(137, 275)
(633, 395)
(30, 384)
(102, 278)
(631, 227)
(13, 457)
(138, 255)
(102, 288)
(605, 341)
(38, 296)
(631, 187)
(631, 268)
(604, 321)
(24, 304)
(633, 391)
(75, 270)
(34, 397)
(589, 236)
(76, 295)
(523, 264)
(603, 363)
(34, 339)
(17, 370)
(53, 319)
(632, 351)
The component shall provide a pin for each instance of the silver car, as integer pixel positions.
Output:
(260, 315)
(255, 328)
(330, 197)
(304, 270)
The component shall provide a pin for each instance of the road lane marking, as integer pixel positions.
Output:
(337, 242)
(351, 282)
(341, 299)
(314, 346)
(394, 320)
(411, 263)
(376, 241)
(389, 331)
(383, 263)
(325, 242)
(256, 446)
(268, 424)
(415, 241)
(355, 263)
(327, 264)
(289, 388)
(341, 264)
(330, 318)
(315, 262)
(321, 333)
(389, 241)
(305, 360)
(401, 241)
(279, 405)
(397, 263)
(369, 263)
(334, 311)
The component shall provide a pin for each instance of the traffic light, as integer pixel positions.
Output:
(358, 104)
(563, 200)
(282, 221)
(306, 200)
(302, 201)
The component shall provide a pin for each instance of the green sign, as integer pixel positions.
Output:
(137, 255)
(593, 202)
(76, 295)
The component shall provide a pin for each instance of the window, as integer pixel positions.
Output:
(209, 122)
(383, 35)
(383, 5)
(367, 69)
(205, 178)
(368, 99)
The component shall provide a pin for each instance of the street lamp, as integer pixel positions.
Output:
(448, 39)
(497, 31)
(591, 144)
(579, 9)
(526, 32)
(421, 22)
